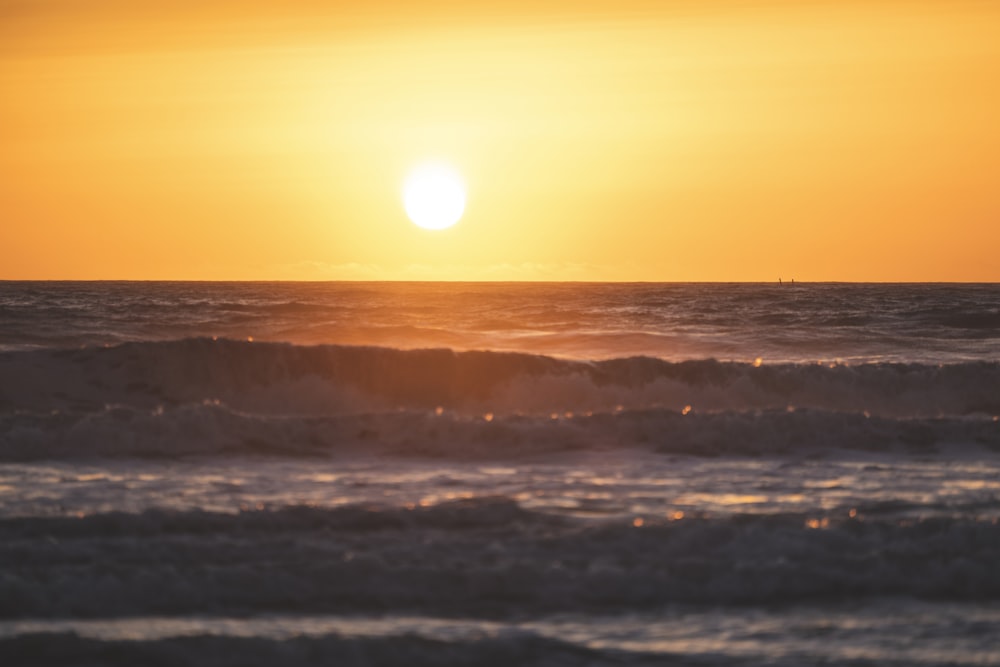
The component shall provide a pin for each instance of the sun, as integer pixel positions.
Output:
(434, 196)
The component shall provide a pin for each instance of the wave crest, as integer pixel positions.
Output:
(286, 379)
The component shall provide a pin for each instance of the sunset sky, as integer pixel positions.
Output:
(686, 140)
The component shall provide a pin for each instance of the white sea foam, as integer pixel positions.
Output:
(503, 454)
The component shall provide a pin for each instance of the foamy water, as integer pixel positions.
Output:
(499, 473)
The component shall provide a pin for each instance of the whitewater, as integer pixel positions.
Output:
(499, 473)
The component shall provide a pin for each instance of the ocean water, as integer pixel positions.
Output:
(499, 474)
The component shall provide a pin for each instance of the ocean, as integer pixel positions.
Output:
(499, 474)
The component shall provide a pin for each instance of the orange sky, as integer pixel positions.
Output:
(686, 140)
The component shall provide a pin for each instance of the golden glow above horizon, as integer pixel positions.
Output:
(434, 196)
(684, 140)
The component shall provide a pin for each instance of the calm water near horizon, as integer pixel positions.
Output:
(933, 322)
(499, 473)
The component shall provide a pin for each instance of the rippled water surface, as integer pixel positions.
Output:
(801, 322)
(499, 474)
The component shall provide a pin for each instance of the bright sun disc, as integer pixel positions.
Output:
(434, 196)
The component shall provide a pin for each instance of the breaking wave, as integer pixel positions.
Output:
(435, 560)
(204, 396)
(281, 379)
